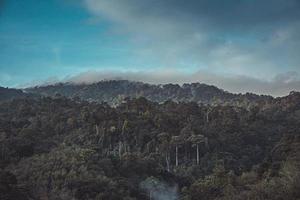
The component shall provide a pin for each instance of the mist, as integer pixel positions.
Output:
(158, 190)
(279, 85)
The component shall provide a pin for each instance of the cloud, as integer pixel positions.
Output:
(252, 38)
(279, 85)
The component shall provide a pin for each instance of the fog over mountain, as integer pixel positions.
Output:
(279, 85)
(114, 92)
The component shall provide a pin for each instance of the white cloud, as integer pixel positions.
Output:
(255, 39)
(280, 85)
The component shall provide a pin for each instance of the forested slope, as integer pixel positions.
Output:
(59, 148)
(115, 91)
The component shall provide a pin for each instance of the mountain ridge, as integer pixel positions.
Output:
(115, 91)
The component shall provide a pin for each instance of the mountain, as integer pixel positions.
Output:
(10, 93)
(115, 91)
(165, 142)
(59, 148)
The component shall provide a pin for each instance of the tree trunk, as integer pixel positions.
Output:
(207, 113)
(176, 149)
(97, 130)
(125, 147)
(168, 162)
(197, 154)
(120, 149)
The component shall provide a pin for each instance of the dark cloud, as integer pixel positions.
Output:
(232, 16)
(247, 42)
(235, 36)
(231, 12)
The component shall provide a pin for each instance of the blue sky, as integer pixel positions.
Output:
(219, 42)
(52, 38)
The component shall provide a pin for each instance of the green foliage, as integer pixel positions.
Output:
(60, 149)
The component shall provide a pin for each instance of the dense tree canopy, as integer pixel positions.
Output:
(60, 148)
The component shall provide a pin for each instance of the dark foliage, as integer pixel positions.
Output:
(115, 91)
(59, 148)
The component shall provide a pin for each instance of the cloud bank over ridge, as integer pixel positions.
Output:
(279, 85)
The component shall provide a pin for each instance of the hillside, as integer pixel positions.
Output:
(11, 93)
(61, 148)
(115, 91)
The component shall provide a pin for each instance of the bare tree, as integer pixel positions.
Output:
(197, 140)
(177, 141)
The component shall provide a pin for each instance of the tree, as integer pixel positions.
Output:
(164, 139)
(177, 141)
(197, 140)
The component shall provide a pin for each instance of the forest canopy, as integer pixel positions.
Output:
(69, 148)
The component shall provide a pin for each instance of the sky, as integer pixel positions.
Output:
(237, 45)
